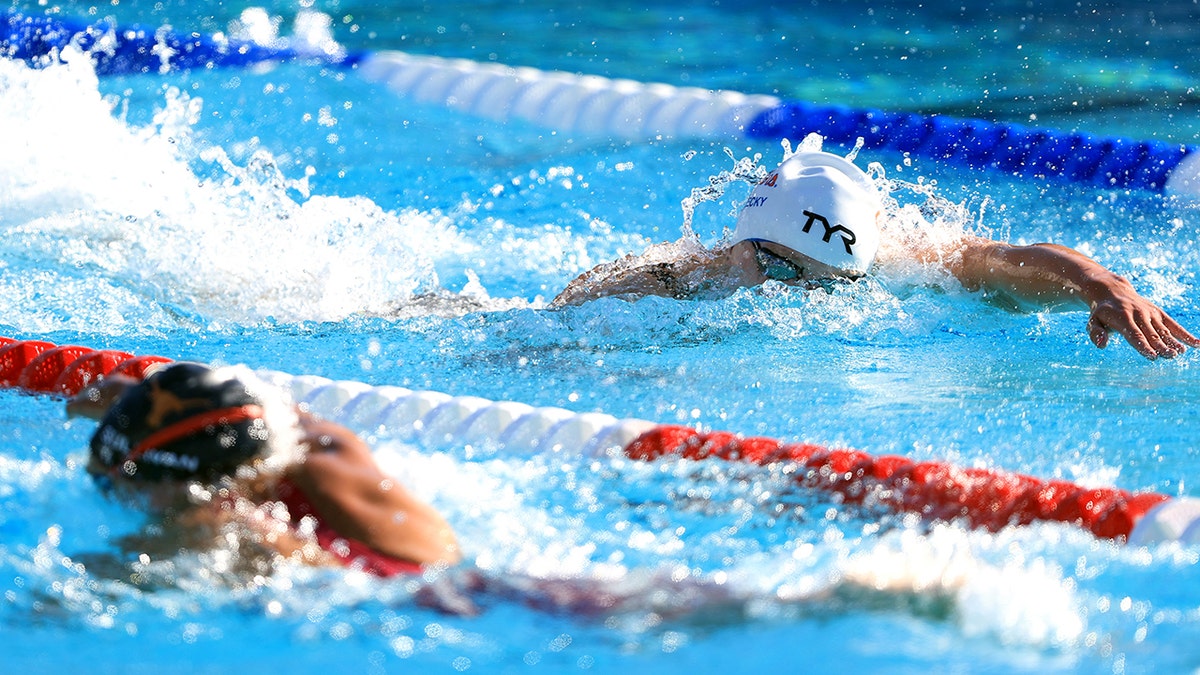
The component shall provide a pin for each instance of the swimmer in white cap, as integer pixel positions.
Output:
(817, 218)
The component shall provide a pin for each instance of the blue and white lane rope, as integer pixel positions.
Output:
(590, 105)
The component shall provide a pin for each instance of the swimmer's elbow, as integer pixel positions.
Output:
(567, 299)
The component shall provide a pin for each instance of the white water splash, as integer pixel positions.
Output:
(94, 206)
(1019, 601)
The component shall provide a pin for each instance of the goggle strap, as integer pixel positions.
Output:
(192, 425)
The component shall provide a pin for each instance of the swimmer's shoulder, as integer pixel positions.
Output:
(322, 436)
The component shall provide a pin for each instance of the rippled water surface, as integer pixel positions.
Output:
(303, 220)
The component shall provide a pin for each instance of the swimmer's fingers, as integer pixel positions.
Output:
(1165, 334)
(1108, 317)
(1179, 332)
(1161, 341)
(1143, 325)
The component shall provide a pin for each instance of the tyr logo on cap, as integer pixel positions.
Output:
(848, 237)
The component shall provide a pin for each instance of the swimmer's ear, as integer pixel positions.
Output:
(94, 400)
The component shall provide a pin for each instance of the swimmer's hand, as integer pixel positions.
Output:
(94, 400)
(1049, 274)
(1146, 327)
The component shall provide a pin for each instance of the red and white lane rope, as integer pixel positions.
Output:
(935, 490)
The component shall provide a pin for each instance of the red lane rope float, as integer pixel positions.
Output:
(982, 498)
(43, 371)
(45, 368)
(16, 355)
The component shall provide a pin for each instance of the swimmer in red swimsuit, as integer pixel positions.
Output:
(219, 452)
(216, 454)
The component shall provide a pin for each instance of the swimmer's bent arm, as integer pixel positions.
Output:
(358, 499)
(1050, 274)
(267, 531)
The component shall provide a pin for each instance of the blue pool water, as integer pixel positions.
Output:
(303, 220)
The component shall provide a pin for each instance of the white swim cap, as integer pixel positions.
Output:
(819, 205)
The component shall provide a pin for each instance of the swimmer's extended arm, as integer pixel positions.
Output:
(681, 278)
(662, 279)
(1051, 274)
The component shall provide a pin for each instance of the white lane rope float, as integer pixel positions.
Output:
(626, 109)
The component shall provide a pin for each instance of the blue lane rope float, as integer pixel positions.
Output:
(626, 109)
(131, 49)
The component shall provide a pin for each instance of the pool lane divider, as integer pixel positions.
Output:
(46, 368)
(933, 490)
(595, 106)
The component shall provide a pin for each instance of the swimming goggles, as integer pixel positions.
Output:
(779, 268)
(776, 267)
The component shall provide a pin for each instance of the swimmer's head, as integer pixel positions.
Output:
(819, 205)
(184, 421)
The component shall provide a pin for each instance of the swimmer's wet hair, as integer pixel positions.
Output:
(187, 421)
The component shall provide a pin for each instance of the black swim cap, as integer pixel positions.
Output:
(184, 421)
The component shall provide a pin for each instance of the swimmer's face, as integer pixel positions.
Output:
(780, 263)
